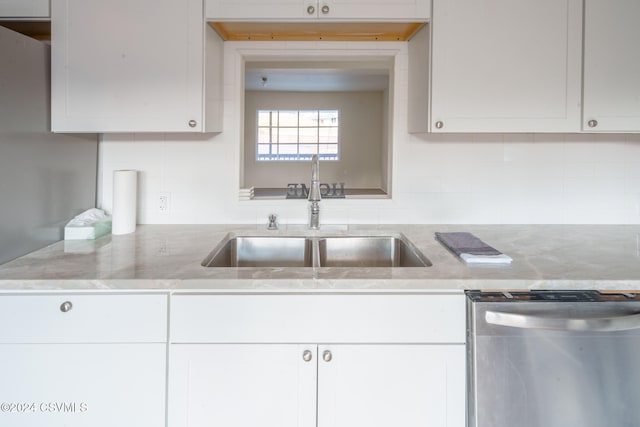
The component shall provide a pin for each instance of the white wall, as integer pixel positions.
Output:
(464, 178)
(361, 127)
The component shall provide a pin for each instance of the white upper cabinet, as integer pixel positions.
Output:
(134, 66)
(261, 9)
(612, 66)
(505, 66)
(354, 10)
(413, 10)
(24, 8)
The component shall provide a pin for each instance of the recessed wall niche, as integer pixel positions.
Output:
(343, 101)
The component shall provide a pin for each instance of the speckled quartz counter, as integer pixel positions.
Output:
(168, 257)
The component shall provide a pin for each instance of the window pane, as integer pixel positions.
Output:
(309, 118)
(263, 149)
(309, 149)
(328, 149)
(267, 118)
(288, 118)
(288, 135)
(288, 149)
(308, 135)
(329, 134)
(291, 135)
(329, 118)
(264, 136)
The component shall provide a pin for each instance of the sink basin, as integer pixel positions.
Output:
(374, 251)
(261, 252)
(330, 251)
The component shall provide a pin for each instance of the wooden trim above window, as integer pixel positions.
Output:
(314, 31)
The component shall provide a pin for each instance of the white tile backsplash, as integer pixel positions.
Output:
(450, 178)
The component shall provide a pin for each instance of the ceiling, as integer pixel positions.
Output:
(315, 79)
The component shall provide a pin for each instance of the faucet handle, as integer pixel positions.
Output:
(273, 222)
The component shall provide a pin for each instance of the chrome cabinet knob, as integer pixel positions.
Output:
(439, 125)
(592, 123)
(66, 306)
(311, 10)
(307, 355)
(325, 9)
(327, 356)
(193, 123)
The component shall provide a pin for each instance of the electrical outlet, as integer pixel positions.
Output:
(163, 202)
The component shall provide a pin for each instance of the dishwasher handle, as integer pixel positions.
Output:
(588, 324)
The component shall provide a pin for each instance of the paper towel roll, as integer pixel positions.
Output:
(125, 194)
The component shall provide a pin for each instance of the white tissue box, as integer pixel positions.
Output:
(87, 232)
(88, 225)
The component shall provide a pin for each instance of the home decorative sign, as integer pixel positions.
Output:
(327, 191)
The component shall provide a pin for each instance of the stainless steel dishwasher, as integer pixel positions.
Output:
(553, 359)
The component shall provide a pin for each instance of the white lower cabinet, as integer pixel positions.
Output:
(82, 385)
(239, 385)
(83, 360)
(391, 385)
(292, 385)
(222, 374)
(269, 360)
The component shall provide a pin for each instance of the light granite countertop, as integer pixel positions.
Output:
(168, 257)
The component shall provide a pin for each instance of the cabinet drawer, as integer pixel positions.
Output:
(372, 318)
(69, 318)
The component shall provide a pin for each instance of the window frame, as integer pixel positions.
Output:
(298, 156)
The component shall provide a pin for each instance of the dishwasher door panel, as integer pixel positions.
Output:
(553, 378)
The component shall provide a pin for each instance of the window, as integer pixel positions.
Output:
(297, 135)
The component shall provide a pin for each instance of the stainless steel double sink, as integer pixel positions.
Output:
(306, 251)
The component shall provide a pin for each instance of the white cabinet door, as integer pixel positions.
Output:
(358, 10)
(612, 66)
(82, 385)
(253, 371)
(261, 9)
(391, 385)
(24, 8)
(411, 10)
(122, 65)
(240, 385)
(506, 66)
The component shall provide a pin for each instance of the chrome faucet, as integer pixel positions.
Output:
(314, 194)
